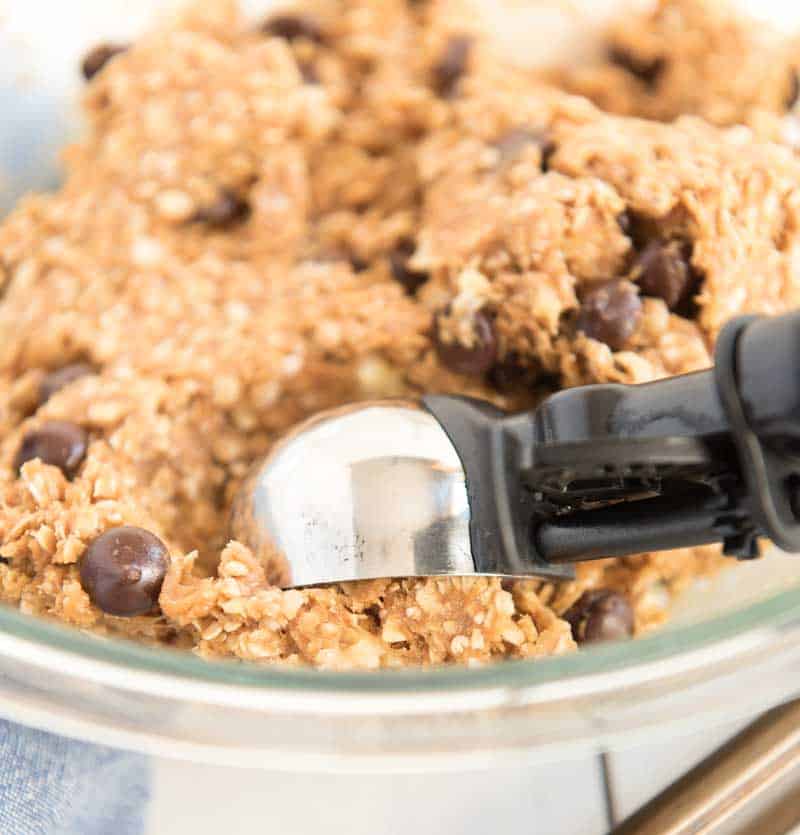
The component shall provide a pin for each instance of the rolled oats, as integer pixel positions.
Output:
(352, 201)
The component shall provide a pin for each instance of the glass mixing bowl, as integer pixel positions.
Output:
(733, 648)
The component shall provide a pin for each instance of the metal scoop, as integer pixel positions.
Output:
(454, 486)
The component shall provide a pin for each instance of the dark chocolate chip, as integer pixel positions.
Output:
(56, 442)
(373, 612)
(123, 570)
(646, 70)
(638, 227)
(61, 377)
(227, 209)
(663, 270)
(292, 27)
(600, 615)
(451, 66)
(474, 360)
(610, 312)
(309, 73)
(548, 149)
(98, 57)
(793, 95)
(5, 278)
(510, 145)
(509, 375)
(410, 278)
(358, 264)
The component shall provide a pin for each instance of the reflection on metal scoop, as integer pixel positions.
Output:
(456, 486)
(370, 490)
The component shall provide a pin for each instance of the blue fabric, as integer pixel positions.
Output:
(50, 785)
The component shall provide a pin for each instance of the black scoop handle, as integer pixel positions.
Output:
(612, 469)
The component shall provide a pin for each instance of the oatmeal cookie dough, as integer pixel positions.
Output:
(346, 201)
(700, 57)
(596, 247)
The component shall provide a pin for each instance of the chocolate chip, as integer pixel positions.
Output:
(340, 253)
(451, 66)
(5, 279)
(399, 257)
(373, 612)
(227, 209)
(292, 27)
(638, 227)
(646, 70)
(474, 360)
(610, 312)
(61, 377)
(600, 615)
(56, 442)
(98, 57)
(123, 569)
(793, 95)
(548, 149)
(509, 375)
(358, 264)
(663, 270)
(308, 72)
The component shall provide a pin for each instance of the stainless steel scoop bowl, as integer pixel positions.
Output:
(366, 491)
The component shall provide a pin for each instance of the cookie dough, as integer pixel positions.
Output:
(703, 57)
(347, 201)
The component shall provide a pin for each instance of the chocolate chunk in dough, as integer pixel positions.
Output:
(600, 615)
(61, 377)
(227, 209)
(451, 66)
(610, 312)
(410, 278)
(98, 57)
(57, 442)
(123, 569)
(646, 70)
(341, 253)
(292, 27)
(509, 375)
(309, 73)
(625, 221)
(476, 359)
(794, 90)
(638, 227)
(663, 270)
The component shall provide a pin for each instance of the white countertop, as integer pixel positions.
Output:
(566, 798)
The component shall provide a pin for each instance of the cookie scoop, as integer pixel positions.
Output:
(455, 486)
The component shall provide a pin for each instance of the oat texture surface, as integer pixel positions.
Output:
(355, 200)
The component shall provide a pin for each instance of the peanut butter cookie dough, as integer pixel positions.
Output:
(349, 200)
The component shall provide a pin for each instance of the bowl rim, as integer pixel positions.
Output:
(759, 621)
